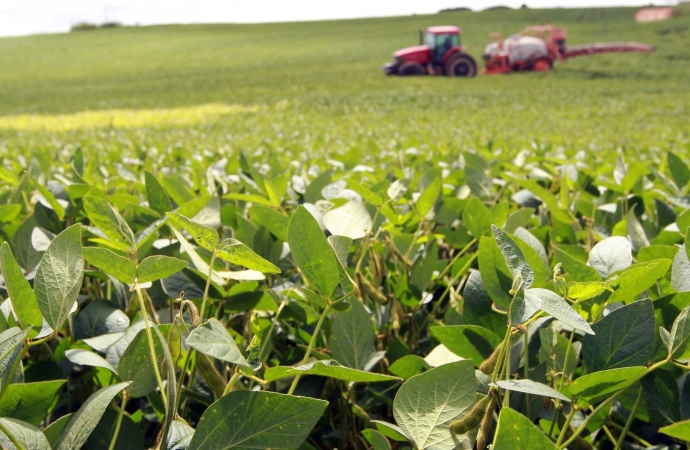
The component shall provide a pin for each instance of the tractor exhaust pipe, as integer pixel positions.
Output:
(421, 36)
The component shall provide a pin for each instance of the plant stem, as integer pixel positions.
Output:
(312, 342)
(11, 437)
(526, 373)
(152, 347)
(499, 364)
(565, 360)
(232, 381)
(566, 426)
(120, 413)
(603, 404)
(208, 285)
(632, 435)
(180, 382)
(269, 334)
(629, 421)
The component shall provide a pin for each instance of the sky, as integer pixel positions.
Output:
(21, 17)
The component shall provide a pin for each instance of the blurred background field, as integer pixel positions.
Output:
(317, 86)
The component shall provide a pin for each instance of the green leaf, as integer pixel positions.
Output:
(679, 344)
(82, 423)
(27, 435)
(477, 218)
(598, 385)
(576, 269)
(23, 298)
(99, 317)
(678, 430)
(680, 272)
(235, 252)
(156, 267)
(59, 276)
(130, 436)
(515, 260)
(180, 435)
(390, 430)
(352, 340)
(517, 432)
(50, 198)
(679, 171)
(212, 339)
(111, 263)
(366, 193)
(468, 341)
(155, 194)
(351, 220)
(661, 389)
(426, 201)
(341, 248)
(408, 366)
(547, 197)
(477, 306)
(110, 222)
(275, 222)
(312, 253)
(426, 404)
(584, 291)
(531, 387)
(11, 345)
(611, 255)
(53, 431)
(83, 357)
(638, 278)
(495, 275)
(553, 304)
(326, 368)
(624, 338)
(30, 402)
(397, 189)
(252, 420)
(377, 440)
(135, 365)
(205, 236)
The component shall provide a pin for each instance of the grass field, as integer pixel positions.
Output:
(322, 79)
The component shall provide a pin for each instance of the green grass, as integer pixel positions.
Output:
(329, 74)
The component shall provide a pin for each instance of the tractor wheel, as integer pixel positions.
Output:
(411, 68)
(541, 65)
(461, 65)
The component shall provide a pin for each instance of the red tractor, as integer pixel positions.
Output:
(440, 54)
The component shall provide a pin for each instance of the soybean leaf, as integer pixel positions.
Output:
(377, 440)
(531, 387)
(275, 222)
(312, 253)
(155, 194)
(477, 218)
(24, 302)
(99, 317)
(366, 193)
(30, 402)
(212, 339)
(576, 269)
(521, 310)
(468, 341)
(110, 262)
(678, 344)
(661, 389)
(517, 432)
(326, 368)
(680, 271)
(477, 306)
(83, 357)
(197, 260)
(624, 338)
(11, 344)
(637, 278)
(513, 256)
(351, 220)
(679, 171)
(396, 190)
(341, 248)
(27, 435)
(636, 231)
(157, 267)
(59, 276)
(408, 366)
(110, 222)
(235, 252)
(554, 305)
(556, 211)
(426, 201)
(249, 420)
(678, 430)
(598, 385)
(136, 366)
(495, 275)
(390, 430)
(611, 255)
(84, 421)
(50, 198)
(205, 236)
(584, 291)
(180, 435)
(352, 340)
(426, 404)
(529, 239)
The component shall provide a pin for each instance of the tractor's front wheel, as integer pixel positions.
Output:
(411, 68)
(461, 65)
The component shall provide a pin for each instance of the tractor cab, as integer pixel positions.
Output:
(439, 53)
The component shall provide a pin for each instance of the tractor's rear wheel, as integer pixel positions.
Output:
(541, 65)
(411, 68)
(461, 65)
